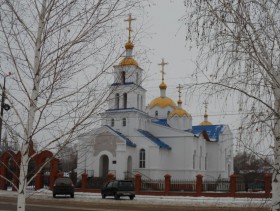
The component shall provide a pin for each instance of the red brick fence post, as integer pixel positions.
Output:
(137, 183)
(84, 181)
(167, 184)
(232, 187)
(267, 179)
(199, 186)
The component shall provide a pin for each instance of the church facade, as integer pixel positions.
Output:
(152, 140)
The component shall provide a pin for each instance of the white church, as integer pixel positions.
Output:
(154, 139)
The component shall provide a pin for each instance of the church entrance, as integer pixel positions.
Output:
(103, 166)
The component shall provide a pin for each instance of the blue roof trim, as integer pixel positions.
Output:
(213, 131)
(162, 122)
(154, 139)
(127, 140)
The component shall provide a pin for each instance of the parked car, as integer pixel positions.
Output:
(118, 188)
(63, 186)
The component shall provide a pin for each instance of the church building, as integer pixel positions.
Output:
(154, 139)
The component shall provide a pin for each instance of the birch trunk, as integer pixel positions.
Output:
(276, 170)
(21, 202)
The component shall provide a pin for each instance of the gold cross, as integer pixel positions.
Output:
(129, 25)
(162, 68)
(180, 87)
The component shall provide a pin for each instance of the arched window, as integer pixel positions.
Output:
(117, 101)
(142, 159)
(124, 122)
(200, 157)
(125, 100)
(194, 155)
(168, 112)
(156, 113)
(123, 77)
(112, 122)
(137, 78)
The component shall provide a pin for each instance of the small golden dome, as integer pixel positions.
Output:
(179, 112)
(205, 123)
(162, 85)
(162, 102)
(128, 61)
(129, 45)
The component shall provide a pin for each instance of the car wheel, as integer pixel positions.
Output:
(116, 196)
(103, 196)
(72, 195)
(131, 197)
(53, 195)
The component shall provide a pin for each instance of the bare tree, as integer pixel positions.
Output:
(59, 53)
(239, 53)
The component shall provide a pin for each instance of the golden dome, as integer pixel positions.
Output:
(129, 45)
(162, 85)
(179, 112)
(162, 102)
(128, 61)
(205, 123)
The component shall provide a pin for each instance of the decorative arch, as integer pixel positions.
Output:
(38, 159)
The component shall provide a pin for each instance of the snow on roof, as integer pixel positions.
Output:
(213, 131)
(154, 139)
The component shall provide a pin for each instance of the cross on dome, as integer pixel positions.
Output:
(162, 68)
(206, 105)
(130, 19)
(180, 87)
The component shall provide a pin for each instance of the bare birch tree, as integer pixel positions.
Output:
(239, 53)
(59, 53)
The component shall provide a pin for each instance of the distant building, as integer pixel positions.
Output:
(152, 140)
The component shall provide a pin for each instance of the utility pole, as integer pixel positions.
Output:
(3, 106)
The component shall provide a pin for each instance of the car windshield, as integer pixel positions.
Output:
(65, 181)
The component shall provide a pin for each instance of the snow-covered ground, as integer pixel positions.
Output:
(179, 200)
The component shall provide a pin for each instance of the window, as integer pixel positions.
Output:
(117, 101)
(168, 112)
(123, 77)
(124, 122)
(156, 113)
(125, 100)
(194, 155)
(112, 122)
(137, 78)
(142, 159)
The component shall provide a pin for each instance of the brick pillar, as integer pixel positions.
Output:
(110, 177)
(167, 183)
(199, 186)
(137, 183)
(267, 179)
(53, 172)
(2, 180)
(39, 181)
(84, 181)
(232, 187)
(15, 176)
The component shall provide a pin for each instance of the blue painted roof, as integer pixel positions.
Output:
(213, 131)
(127, 140)
(154, 139)
(162, 122)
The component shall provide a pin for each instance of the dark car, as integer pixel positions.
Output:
(63, 186)
(118, 188)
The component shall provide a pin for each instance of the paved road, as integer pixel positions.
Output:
(65, 204)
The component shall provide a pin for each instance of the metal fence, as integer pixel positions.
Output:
(216, 185)
(152, 185)
(183, 185)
